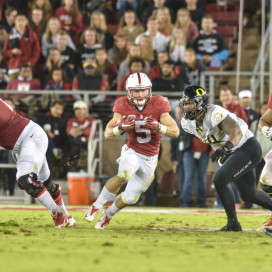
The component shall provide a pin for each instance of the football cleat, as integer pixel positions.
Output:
(267, 231)
(91, 213)
(232, 227)
(60, 220)
(268, 224)
(103, 221)
(71, 222)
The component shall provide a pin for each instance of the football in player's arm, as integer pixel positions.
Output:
(144, 118)
(265, 126)
(235, 148)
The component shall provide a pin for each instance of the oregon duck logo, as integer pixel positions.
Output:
(200, 92)
(218, 117)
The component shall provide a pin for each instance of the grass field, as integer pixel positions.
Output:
(137, 240)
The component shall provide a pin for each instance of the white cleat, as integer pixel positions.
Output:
(60, 219)
(71, 222)
(91, 213)
(268, 224)
(103, 221)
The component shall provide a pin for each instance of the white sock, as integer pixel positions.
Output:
(46, 200)
(112, 210)
(63, 208)
(104, 197)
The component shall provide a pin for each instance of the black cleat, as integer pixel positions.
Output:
(268, 231)
(232, 227)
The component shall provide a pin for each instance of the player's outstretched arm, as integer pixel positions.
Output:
(111, 130)
(231, 127)
(171, 127)
(265, 124)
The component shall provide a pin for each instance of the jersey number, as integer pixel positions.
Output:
(138, 129)
(213, 140)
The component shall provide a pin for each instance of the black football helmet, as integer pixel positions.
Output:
(191, 95)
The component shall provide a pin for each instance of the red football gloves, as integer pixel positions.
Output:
(127, 124)
(152, 123)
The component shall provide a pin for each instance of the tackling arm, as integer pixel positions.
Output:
(265, 121)
(110, 131)
(172, 128)
(230, 127)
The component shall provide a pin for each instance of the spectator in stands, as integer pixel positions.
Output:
(184, 21)
(167, 81)
(127, 5)
(54, 125)
(44, 5)
(78, 131)
(209, 45)
(155, 70)
(192, 68)
(226, 97)
(89, 80)
(196, 14)
(24, 82)
(50, 36)
(245, 101)
(177, 147)
(70, 18)
(4, 78)
(119, 52)
(3, 36)
(106, 68)
(8, 21)
(235, 99)
(149, 11)
(148, 53)
(21, 46)
(164, 20)
(98, 22)
(177, 46)
(134, 51)
(68, 55)
(130, 26)
(110, 12)
(136, 65)
(58, 82)
(90, 41)
(37, 22)
(159, 41)
(53, 61)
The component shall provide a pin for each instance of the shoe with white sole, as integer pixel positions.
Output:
(71, 222)
(91, 213)
(268, 224)
(60, 220)
(103, 221)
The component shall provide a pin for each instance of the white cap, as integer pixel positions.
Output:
(245, 93)
(80, 105)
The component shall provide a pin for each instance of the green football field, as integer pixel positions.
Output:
(137, 240)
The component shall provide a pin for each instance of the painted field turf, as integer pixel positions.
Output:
(134, 241)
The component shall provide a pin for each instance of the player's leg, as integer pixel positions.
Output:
(266, 175)
(30, 160)
(138, 184)
(237, 165)
(55, 191)
(128, 165)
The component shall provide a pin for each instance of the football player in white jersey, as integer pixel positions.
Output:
(235, 148)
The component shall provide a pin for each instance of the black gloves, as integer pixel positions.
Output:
(221, 154)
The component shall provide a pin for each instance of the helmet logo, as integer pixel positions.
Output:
(139, 78)
(200, 92)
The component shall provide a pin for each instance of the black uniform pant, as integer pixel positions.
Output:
(239, 167)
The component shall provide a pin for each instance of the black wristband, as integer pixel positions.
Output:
(228, 145)
(121, 130)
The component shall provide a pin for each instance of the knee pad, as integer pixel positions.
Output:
(129, 198)
(50, 185)
(125, 175)
(267, 189)
(30, 184)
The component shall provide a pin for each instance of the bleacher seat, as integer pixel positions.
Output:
(225, 17)
(213, 7)
(227, 31)
(112, 29)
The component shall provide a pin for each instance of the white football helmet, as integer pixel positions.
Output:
(137, 82)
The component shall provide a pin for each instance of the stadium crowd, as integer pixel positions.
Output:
(95, 45)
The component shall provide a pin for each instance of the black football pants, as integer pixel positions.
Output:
(239, 168)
